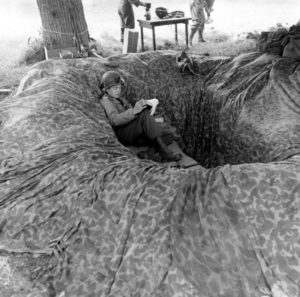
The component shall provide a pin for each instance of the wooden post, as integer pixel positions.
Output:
(153, 37)
(187, 34)
(142, 38)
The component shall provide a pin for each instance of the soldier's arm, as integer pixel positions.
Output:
(115, 118)
(206, 9)
(137, 2)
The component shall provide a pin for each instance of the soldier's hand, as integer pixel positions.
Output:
(139, 106)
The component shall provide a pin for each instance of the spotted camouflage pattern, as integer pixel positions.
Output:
(82, 216)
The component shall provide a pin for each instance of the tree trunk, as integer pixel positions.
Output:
(63, 23)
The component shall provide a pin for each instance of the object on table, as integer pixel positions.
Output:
(161, 12)
(174, 14)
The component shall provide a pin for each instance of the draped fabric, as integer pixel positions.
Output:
(82, 215)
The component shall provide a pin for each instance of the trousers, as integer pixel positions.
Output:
(126, 17)
(197, 14)
(143, 127)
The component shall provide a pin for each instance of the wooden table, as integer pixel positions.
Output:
(163, 22)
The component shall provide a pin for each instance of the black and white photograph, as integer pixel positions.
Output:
(150, 148)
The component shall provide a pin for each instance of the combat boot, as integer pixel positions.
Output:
(165, 153)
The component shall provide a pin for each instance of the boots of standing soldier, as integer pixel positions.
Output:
(166, 154)
(191, 36)
(122, 35)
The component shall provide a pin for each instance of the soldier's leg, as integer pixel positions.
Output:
(201, 25)
(129, 19)
(194, 23)
(122, 23)
(145, 125)
(200, 35)
(191, 36)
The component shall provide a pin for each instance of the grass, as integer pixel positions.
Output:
(6, 273)
(22, 58)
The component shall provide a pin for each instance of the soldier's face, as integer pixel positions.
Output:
(115, 91)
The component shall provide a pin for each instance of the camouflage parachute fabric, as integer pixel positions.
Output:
(82, 216)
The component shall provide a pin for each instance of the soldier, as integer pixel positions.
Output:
(132, 122)
(126, 14)
(198, 19)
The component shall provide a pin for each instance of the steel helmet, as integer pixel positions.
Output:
(110, 79)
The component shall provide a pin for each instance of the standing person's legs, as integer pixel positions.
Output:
(193, 31)
(201, 24)
(194, 24)
(122, 23)
(127, 20)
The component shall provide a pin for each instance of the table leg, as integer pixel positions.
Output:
(176, 35)
(153, 37)
(142, 38)
(186, 35)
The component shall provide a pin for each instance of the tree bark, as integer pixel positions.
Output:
(63, 23)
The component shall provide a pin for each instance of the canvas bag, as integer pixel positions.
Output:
(272, 42)
(292, 49)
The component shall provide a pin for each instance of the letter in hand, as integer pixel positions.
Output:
(152, 103)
